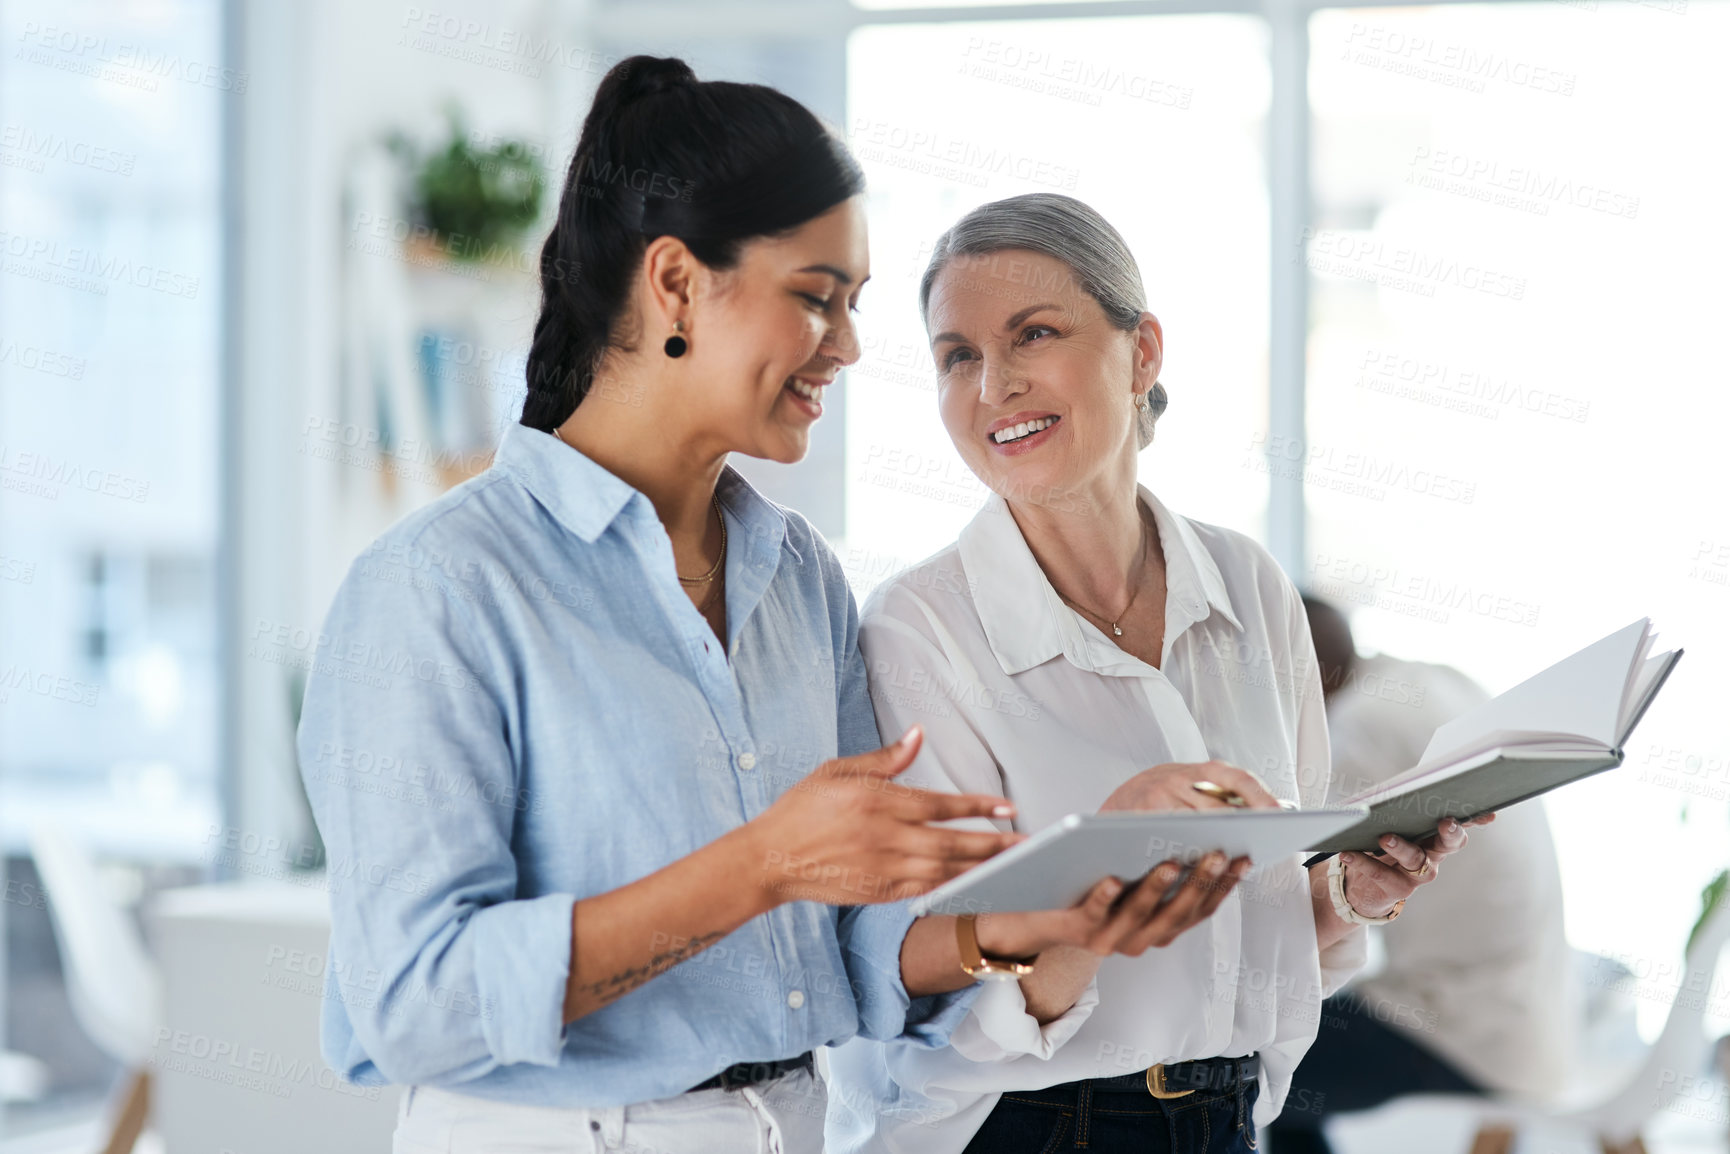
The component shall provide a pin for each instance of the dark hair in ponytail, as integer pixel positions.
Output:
(662, 153)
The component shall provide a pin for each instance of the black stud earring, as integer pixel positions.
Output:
(676, 346)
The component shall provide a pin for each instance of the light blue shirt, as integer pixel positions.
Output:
(514, 705)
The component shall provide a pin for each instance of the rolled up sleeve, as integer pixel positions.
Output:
(1341, 961)
(441, 972)
(1000, 1029)
(1317, 783)
(871, 938)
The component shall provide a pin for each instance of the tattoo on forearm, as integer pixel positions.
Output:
(626, 980)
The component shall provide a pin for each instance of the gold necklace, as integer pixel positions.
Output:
(715, 502)
(721, 559)
(709, 598)
(1116, 629)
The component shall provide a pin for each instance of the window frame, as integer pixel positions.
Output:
(1288, 155)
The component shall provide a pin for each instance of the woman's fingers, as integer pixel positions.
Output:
(882, 763)
(954, 845)
(1372, 886)
(1201, 891)
(1095, 908)
(922, 805)
(1172, 786)
(1247, 785)
(1411, 858)
(1127, 919)
(1450, 835)
(1138, 906)
(1234, 873)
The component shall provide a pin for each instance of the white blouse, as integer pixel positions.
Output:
(1022, 697)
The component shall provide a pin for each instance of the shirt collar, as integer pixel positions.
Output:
(585, 498)
(1027, 623)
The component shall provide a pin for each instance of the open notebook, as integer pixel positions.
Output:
(1568, 722)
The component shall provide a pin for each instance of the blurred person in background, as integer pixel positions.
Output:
(1476, 993)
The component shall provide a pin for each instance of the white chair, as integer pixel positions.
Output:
(1612, 1113)
(22, 1077)
(112, 983)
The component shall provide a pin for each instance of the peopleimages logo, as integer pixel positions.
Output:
(494, 46)
(41, 258)
(23, 679)
(1515, 186)
(1363, 256)
(40, 360)
(354, 660)
(136, 65)
(38, 147)
(1414, 594)
(39, 474)
(1451, 65)
(1351, 471)
(1068, 77)
(1471, 391)
(931, 152)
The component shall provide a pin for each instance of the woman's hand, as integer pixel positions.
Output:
(850, 834)
(1115, 918)
(1127, 918)
(1171, 786)
(1375, 883)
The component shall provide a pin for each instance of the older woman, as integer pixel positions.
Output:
(1122, 635)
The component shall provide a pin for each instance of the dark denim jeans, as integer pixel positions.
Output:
(1074, 1116)
(1356, 1063)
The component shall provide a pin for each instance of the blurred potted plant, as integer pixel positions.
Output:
(1715, 894)
(474, 200)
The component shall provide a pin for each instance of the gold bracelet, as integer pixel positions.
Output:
(977, 965)
(1343, 906)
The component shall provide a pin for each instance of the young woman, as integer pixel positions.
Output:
(1147, 639)
(561, 741)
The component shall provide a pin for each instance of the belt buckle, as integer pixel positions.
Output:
(1156, 1084)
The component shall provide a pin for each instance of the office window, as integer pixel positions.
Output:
(1515, 437)
(1159, 124)
(109, 300)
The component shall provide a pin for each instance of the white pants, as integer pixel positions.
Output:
(784, 1116)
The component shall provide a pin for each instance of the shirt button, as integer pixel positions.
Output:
(796, 999)
(747, 761)
(594, 1125)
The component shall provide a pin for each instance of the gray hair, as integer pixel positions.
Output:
(1064, 229)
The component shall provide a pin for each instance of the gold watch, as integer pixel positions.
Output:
(977, 965)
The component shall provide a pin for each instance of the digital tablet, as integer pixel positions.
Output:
(1055, 868)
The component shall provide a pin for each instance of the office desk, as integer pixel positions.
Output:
(236, 1067)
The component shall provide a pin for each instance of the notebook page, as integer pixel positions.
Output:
(1579, 696)
(1650, 675)
(1635, 669)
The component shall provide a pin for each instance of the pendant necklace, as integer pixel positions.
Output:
(1116, 629)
